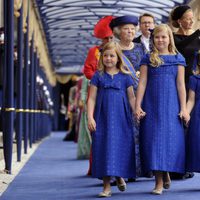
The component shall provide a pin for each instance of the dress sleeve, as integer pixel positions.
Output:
(145, 60)
(95, 79)
(129, 81)
(181, 60)
(192, 83)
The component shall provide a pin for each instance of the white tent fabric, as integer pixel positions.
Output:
(68, 24)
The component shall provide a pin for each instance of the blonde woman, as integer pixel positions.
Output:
(187, 40)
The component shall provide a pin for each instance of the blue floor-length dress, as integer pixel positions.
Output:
(132, 60)
(162, 139)
(113, 151)
(193, 134)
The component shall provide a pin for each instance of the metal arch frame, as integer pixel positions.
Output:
(68, 24)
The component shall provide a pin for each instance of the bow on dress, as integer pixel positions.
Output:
(114, 85)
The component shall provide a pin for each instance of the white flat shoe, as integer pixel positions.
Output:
(105, 194)
(157, 191)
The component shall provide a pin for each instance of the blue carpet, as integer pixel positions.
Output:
(53, 173)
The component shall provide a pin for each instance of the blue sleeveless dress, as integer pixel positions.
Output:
(193, 134)
(162, 140)
(113, 152)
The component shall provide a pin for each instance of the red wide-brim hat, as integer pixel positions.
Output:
(102, 28)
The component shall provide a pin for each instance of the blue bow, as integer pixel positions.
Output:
(112, 85)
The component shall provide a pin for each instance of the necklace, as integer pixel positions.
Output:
(126, 47)
(112, 73)
(185, 32)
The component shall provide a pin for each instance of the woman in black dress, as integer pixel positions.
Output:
(187, 40)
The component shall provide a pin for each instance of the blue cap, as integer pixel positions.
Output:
(127, 19)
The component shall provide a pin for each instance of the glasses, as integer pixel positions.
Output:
(144, 23)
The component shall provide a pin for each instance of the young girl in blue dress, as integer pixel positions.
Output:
(160, 107)
(193, 134)
(110, 106)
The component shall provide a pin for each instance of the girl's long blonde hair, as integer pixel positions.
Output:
(120, 63)
(154, 56)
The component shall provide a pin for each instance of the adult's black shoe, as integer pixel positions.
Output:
(188, 175)
(177, 176)
(69, 137)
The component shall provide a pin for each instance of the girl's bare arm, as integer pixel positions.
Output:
(131, 97)
(90, 108)
(180, 82)
(191, 101)
(140, 92)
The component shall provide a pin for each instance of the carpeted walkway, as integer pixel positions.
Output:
(53, 173)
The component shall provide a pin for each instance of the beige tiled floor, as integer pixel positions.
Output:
(6, 179)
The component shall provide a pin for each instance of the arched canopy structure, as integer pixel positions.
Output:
(68, 24)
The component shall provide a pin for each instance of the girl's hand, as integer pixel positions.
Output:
(91, 124)
(184, 115)
(81, 104)
(139, 113)
(138, 74)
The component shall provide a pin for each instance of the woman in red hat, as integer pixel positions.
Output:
(101, 31)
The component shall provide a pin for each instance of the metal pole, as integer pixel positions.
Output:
(8, 98)
(19, 106)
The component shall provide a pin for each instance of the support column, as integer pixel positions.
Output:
(8, 87)
(26, 84)
(19, 105)
(31, 92)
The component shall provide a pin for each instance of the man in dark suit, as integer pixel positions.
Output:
(146, 23)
